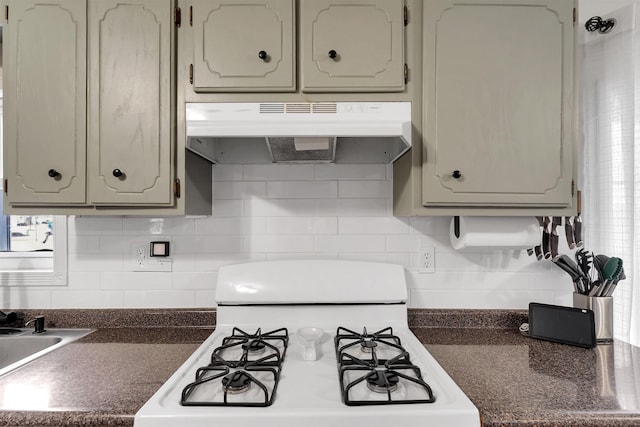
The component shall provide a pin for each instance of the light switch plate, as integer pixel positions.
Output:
(141, 259)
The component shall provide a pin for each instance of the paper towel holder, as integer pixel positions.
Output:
(504, 232)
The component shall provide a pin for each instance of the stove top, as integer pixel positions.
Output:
(370, 369)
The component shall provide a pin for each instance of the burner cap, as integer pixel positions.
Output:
(368, 345)
(236, 382)
(254, 346)
(376, 381)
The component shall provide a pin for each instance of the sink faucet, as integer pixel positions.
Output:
(7, 318)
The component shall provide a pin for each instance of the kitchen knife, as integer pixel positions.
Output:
(568, 231)
(538, 249)
(546, 237)
(553, 239)
(577, 231)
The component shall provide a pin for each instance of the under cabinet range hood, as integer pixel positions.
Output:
(322, 132)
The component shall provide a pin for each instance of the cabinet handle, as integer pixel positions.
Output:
(117, 173)
(333, 54)
(262, 55)
(456, 174)
(54, 173)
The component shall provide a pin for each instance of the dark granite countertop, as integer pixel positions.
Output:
(513, 380)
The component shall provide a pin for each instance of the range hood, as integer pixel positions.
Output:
(324, 132)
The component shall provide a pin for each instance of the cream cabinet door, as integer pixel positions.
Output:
(498, 103)
(130, 99)
(44, 101)
(244, 45)
(354, 46)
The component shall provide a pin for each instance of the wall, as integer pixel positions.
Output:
(289, 211)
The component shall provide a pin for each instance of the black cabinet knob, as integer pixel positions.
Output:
(117, 173)
(456, 174)
(54, 173)
(333, 54)
(262, 55)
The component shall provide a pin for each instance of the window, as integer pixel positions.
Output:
(33, 249)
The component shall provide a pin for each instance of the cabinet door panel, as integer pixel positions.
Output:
(498, 80)
(354, 46)
(130, 57)
(44, 96)
(241, 46)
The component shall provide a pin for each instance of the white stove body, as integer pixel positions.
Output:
(325, 294)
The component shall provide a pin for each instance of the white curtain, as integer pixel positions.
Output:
(610, 138)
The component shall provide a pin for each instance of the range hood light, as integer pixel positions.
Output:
(313, 143)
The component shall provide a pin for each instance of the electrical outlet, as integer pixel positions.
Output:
(142, 261)
(427, 260)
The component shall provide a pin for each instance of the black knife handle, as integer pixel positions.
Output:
(546, 238)
(568, 231)
(553, 243)
(538, 251)
(577, 231)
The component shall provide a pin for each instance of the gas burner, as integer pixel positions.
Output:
(382, 381)
(372, 348)
(367, 346)
(236, 383)
(254, 346)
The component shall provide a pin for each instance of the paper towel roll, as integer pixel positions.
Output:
(494, 232)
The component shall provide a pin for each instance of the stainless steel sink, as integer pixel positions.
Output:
(21, 346)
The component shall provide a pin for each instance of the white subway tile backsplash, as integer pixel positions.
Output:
(83, 244)
(205, 298)
(158, 226)
(302, 189)
(194, 280)
(21, 297)
(212, 262)
(446, 299)
(367, 225)
(162, 299)
(226, 173)
(135, 280)
(270, 212)
(364, 189)
(433, 226)
(87, 299)
(301, 255)
(279, 207)
(363, 243)
(301, 225)
(388, 257)
(279, 172)
(278, 243)
(90, 262)
(239, 190)
(206, 244)
(351, 207)
(94, 226)
(348, 172)
(231, 225)
(226, 208)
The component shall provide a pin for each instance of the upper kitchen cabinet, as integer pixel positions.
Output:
(498, 102)
(44, 101)
(344, 46)
(354, 46)
(244, 46)
(130, 112)
(90, 109)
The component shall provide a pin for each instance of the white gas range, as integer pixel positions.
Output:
(255, 369)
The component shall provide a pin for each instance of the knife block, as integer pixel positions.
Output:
(602, 308)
